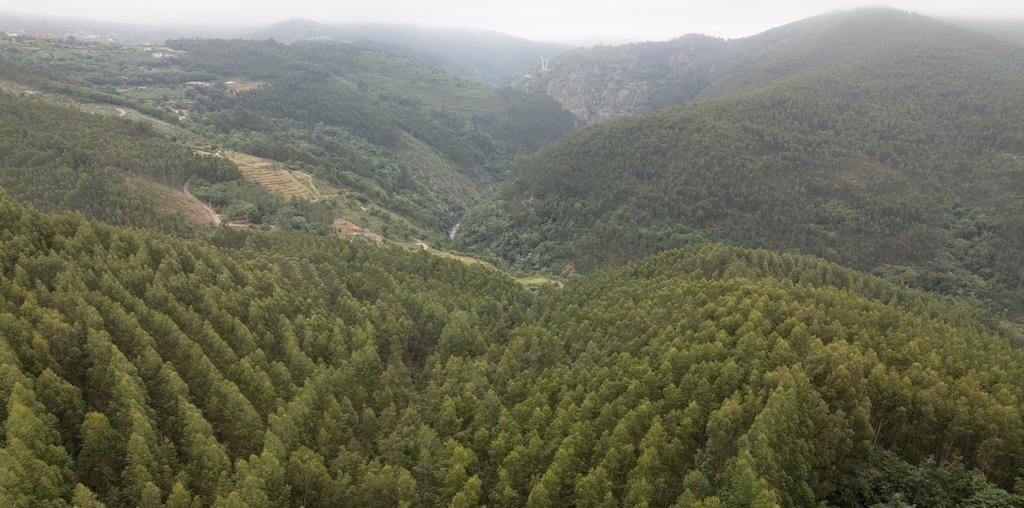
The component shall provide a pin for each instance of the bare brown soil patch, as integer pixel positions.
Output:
(348, 228)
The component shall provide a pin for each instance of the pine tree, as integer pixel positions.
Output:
(34, 467)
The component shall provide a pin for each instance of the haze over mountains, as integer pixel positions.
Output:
(609, 81)
(775, 271)
(474, 54)
(1008, 29)
(483, 55)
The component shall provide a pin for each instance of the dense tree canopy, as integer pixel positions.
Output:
(279, 368)
(148, 363)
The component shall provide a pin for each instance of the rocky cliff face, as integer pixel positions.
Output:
(585, 95)
(610, 81)
(601, 83)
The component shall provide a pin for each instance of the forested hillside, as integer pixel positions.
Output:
(277, 369)
(606, 82)
(906, 156)
(59, 158)
(415, 144)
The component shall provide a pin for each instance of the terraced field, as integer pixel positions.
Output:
(275, 177)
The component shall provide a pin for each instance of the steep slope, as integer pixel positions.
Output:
(284, 369)
(905, 153)
(607, 82)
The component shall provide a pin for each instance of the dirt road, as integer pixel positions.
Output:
(214, 216)
(316, 192)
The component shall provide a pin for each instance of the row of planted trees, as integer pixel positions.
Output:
(277, 369)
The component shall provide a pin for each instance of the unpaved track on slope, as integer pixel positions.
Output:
(214, 216)
(309, 178)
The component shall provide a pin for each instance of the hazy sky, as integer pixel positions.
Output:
(556, 20)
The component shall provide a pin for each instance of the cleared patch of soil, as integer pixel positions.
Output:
(348, 228)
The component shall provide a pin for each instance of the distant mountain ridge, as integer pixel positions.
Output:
(481, 55)
(606, 82)
(103, 31)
